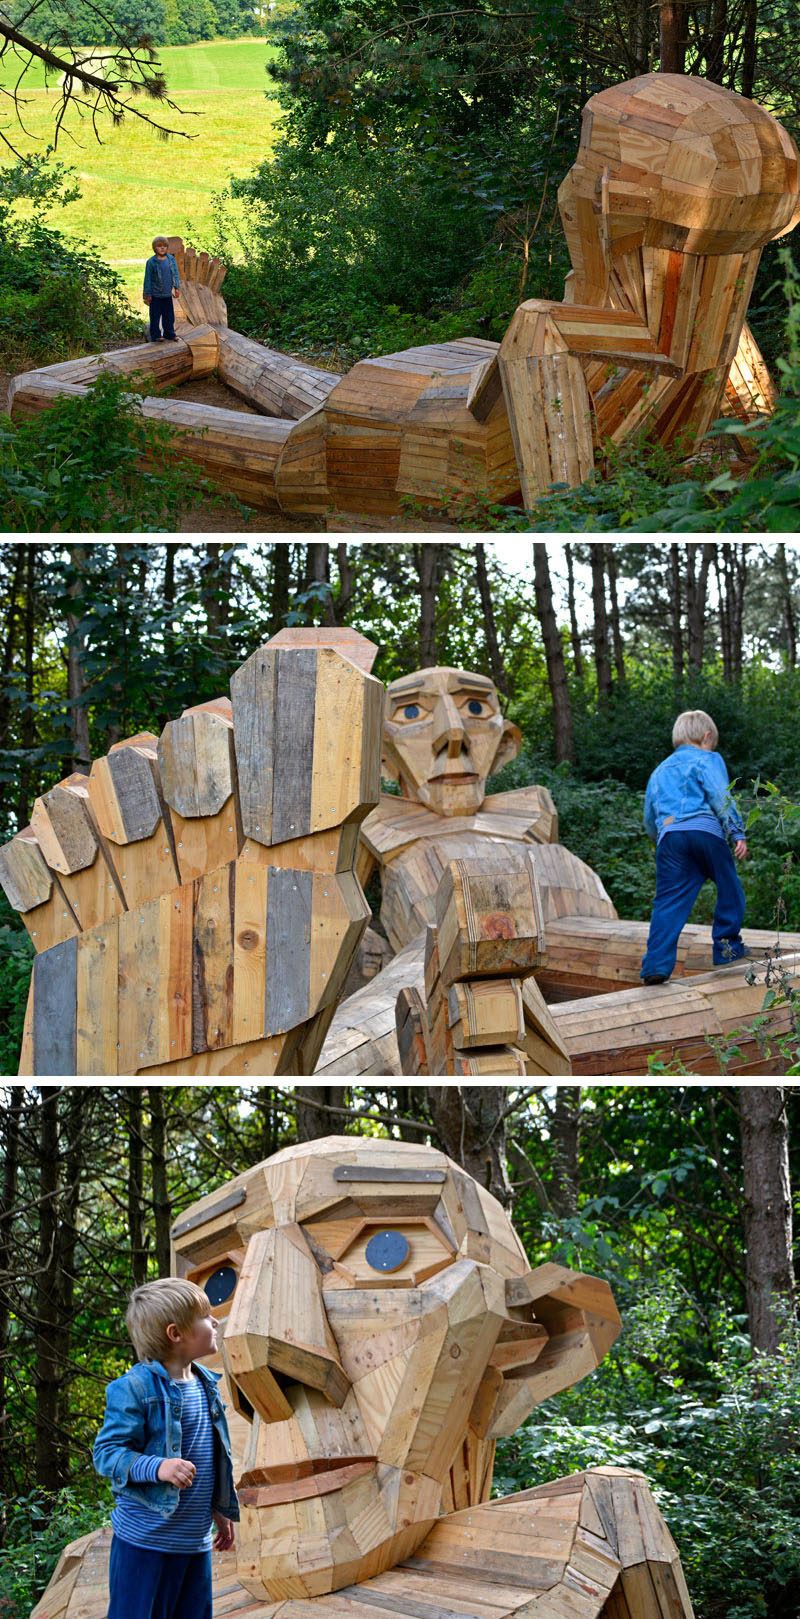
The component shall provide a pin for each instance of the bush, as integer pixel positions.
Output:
(94, 463)
(57, 298)
(722, 1462)
(38, 1527)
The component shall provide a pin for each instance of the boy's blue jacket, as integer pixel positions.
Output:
(690, 782)
(143, 1418)
(152, 276)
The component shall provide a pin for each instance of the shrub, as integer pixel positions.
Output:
(57, 298)
(38, 1526)
(94, 463)
(722, 1462)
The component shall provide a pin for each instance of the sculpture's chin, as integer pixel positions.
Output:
(321, 1542)
(453, 795)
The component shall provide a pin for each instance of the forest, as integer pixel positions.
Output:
(410, 198)
(593, 657)
(681, 1197)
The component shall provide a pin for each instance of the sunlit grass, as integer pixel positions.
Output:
(135, 184)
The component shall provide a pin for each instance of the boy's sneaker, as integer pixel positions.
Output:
(656, 978)
(744, 955)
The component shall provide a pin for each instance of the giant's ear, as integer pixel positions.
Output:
(509, 746)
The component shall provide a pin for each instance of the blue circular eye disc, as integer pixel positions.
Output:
(220, 1285)
(475, 706)
(386, 1251)
(411, 711)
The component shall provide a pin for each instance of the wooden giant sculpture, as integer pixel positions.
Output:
(382, 1328)
(196, 901)
(677, 187)
(454, 867)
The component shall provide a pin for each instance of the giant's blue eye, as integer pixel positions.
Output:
(411, 711)
(219, 1286)
(386, 1251)
(475, 707)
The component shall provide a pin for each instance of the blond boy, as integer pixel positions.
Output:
(164, 1445)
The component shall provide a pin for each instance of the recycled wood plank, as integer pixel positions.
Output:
(54, 1009)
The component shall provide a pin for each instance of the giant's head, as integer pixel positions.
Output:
(382, 1327)
(673, 162)
(443, 735)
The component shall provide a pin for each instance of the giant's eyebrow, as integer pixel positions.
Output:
(413, 689)
(467, 683)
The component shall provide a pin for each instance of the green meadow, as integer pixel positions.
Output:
(135, 184)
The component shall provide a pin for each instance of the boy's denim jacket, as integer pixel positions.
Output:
(152, 276)
(691, 782)
(143, 1418)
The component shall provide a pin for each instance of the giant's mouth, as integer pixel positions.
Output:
(454, 776)
(296, 1481)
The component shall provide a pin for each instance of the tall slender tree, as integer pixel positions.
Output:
(554, 656)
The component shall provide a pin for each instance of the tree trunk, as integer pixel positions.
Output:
(281, 585)
(616, 633)
(47, 1376)
(469, 1123)
(601, 658)
(676, 612)
(162, 1213)
(724, 617)
(9, 651)
(347, 583)
(13, 1117)
(78, 1103)
(696, 591)
(738, 558)
(215, 585)
(76, 684)
(787, 611)
(671, 36)
(490, 627)
(426, 558)
(767, 1212)
(554, 656)
(750, 48)
(318, 573)
(575, 634)
(169, 605)
(311, 1111)
(136, 1214)
(566, 1132)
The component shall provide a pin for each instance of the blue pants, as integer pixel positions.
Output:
(158, 1585)
(684, 861)
(162, 314)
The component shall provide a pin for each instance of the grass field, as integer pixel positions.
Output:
(134, 184)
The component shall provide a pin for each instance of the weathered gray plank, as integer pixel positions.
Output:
(367, 1172)
(288, 949)
(470, 1202)
(195, 761)
(232, 1201)
(294, 742)
(24, 877)
(253, 706)
(55, 1001)
(401, 1603)
(135, 789)
(62, 826)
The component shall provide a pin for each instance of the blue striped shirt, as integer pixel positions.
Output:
(189, 1528)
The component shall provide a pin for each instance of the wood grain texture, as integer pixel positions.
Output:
(54, 1009)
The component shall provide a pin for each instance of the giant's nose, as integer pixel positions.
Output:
(277, 1331)
(449, 730)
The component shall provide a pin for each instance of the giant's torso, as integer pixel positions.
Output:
(413, 846)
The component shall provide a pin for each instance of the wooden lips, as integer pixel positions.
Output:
(677, 187)
(380, 1312)
(192, 901)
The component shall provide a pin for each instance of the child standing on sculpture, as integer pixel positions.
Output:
(161, 280)
(164, 1445)
(689, 814)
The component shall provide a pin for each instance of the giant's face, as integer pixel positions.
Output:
(443, 735)
(381, 1327)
